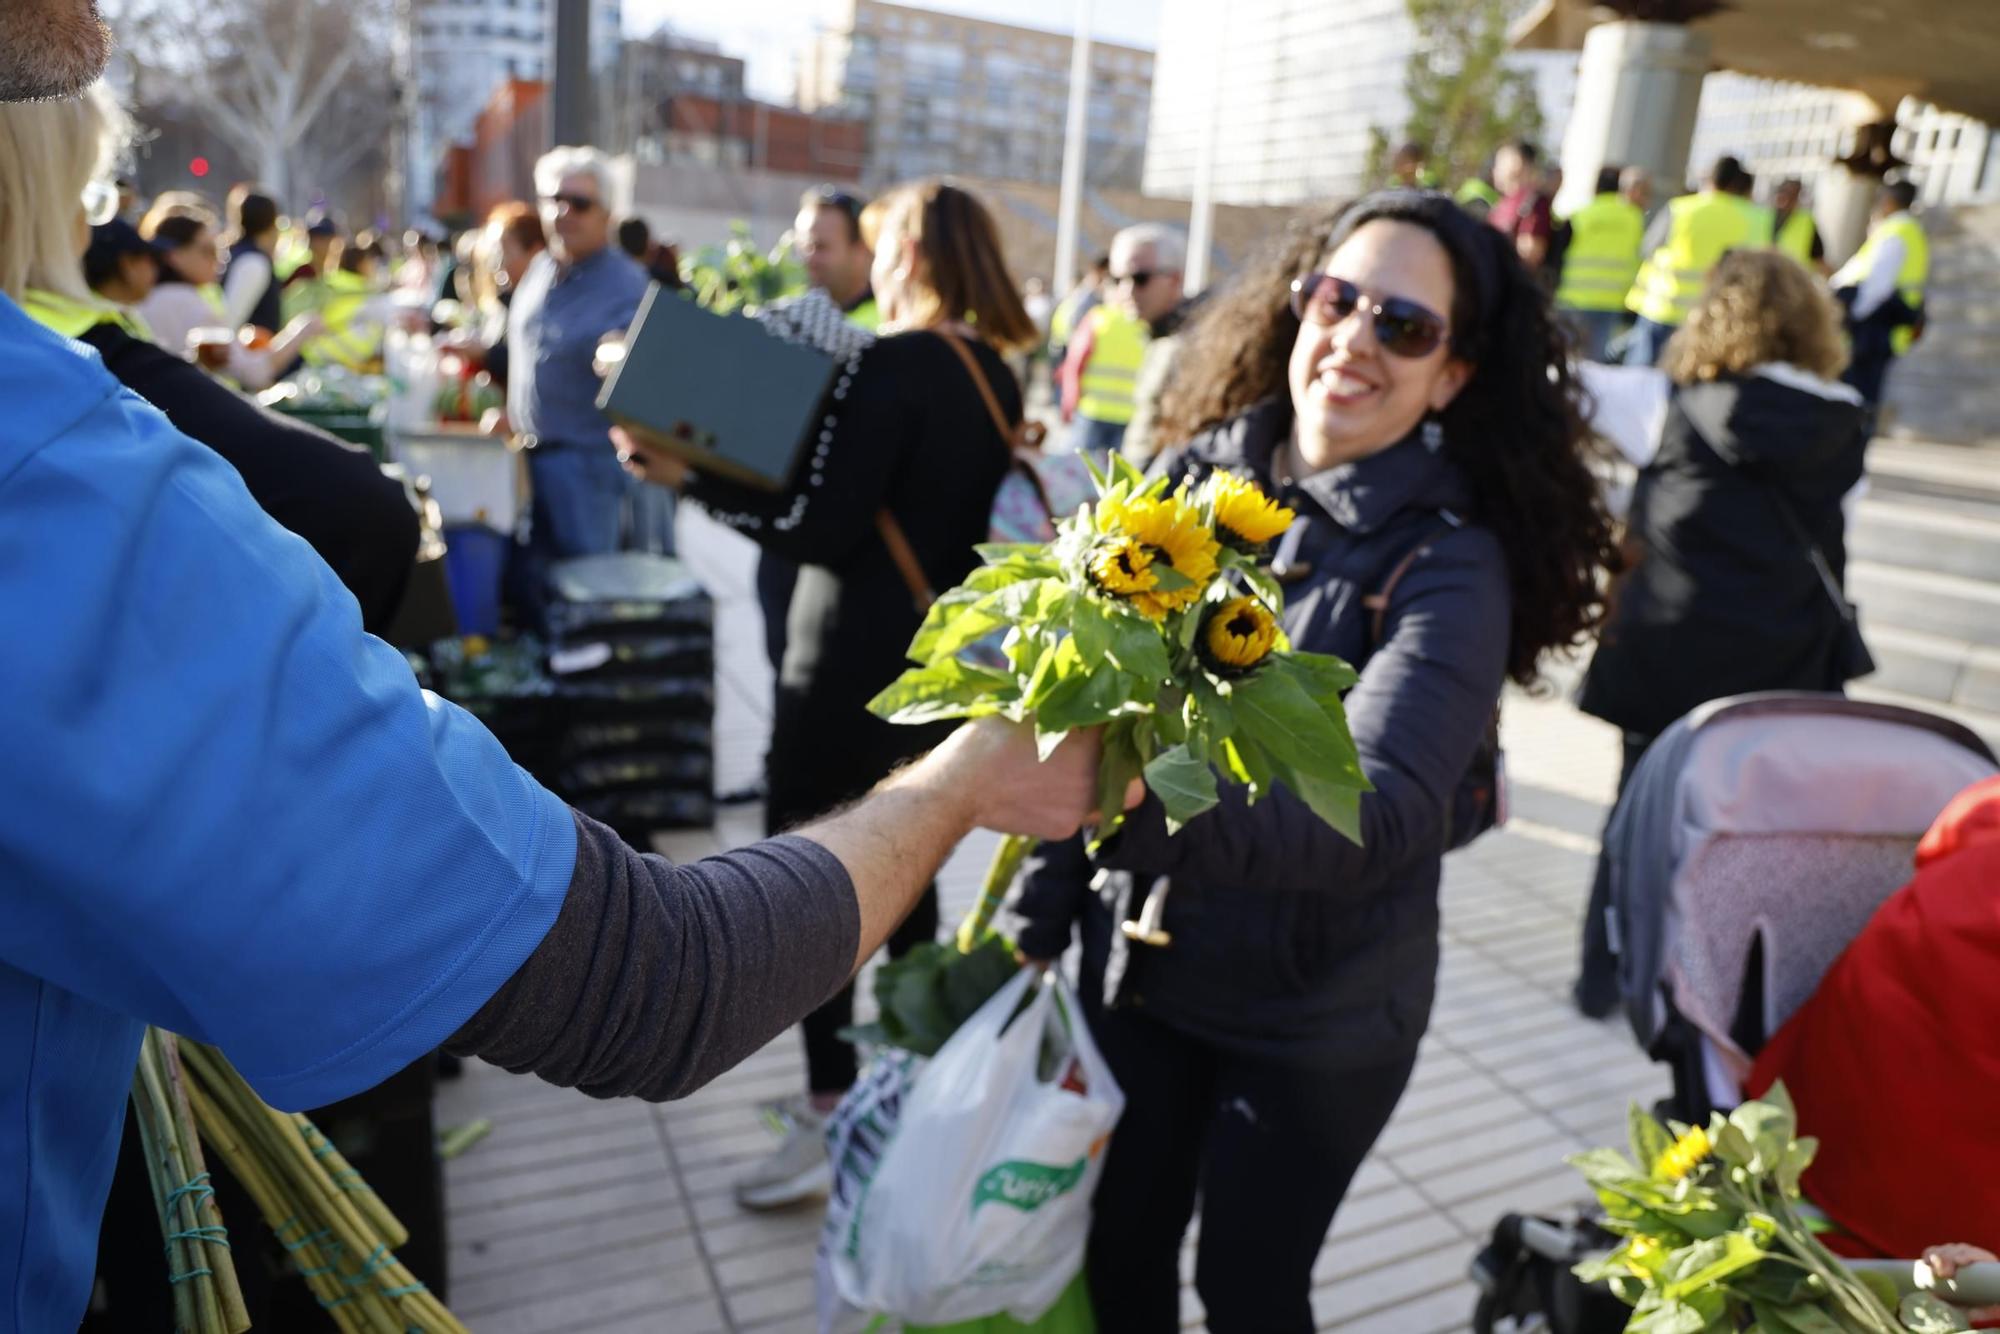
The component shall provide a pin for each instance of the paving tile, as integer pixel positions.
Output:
(1391, 1285)
(622, 1299)
(789, 1300)
(562, 1178)
(1361, 1253)
(666, 1228)
(1432, 1313)
(681, 1275)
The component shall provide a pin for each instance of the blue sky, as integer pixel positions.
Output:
(768, 33)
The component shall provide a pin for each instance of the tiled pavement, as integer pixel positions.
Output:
(578, 1215)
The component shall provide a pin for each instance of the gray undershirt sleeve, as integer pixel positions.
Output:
(656, 978)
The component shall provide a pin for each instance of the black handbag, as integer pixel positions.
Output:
(1854, 659)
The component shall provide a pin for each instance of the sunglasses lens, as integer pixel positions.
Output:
(1407, 331)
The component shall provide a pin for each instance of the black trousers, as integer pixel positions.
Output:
(1596, 990)
(812, 771)
(1270, 1150)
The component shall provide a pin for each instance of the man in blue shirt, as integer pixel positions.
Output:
(574, 294)
(227, 811)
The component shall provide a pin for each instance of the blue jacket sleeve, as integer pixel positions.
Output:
(228, 811)
(1417, 715)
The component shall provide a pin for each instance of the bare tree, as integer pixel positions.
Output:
(303, 89)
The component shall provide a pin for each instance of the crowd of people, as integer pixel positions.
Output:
(306, 860)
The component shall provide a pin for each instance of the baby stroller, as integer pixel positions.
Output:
(1755, 840)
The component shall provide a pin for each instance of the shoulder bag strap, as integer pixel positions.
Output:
(891, 529)
(1377, 602)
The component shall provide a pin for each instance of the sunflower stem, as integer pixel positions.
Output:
(1000, 873)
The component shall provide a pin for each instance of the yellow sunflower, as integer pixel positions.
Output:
(1239, 635)
(1245, 518)
(1122, 566)
(1166, 532)
(1686, 1154)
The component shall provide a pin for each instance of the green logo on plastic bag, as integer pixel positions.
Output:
(1027, 1186)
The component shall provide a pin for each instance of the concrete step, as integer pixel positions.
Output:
(1932, 667)
(1964, 475)
(1944, 605)
(1905, 532)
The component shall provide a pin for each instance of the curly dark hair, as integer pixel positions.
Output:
(1517, 431)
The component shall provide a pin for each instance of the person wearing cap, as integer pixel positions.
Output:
(340, 296)
(120, 265)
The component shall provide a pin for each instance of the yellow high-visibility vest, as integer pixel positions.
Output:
(1703, 228)
(1112, 373)
(1603, 256)
(867, 316)
(73, 318)
(1477, 191)
(341, 299)
(1795, 238)
(1910, 279)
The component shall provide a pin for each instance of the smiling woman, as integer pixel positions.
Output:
(1409, 400)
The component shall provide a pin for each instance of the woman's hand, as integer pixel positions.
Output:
(649, 463)
(1947, 1259)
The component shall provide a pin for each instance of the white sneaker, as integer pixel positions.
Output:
(799, 1170)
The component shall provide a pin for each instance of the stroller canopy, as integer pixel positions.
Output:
(1756, 838)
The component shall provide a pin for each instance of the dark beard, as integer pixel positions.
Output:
(57, 49)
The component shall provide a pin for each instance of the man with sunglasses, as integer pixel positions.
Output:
(574, 293)
(1100, 375)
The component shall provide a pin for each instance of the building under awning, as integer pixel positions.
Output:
(1946, 52)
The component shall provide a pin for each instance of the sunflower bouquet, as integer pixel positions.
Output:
(1153, 614)
(1714, 1235)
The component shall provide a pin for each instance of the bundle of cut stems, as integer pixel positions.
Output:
(341, 1237)
(206, 1297)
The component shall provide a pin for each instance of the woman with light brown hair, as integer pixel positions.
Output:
(1735, 541)
(907, 432)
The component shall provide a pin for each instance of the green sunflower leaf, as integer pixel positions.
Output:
(1119, 764)
(1324, 677)
(1276, 712)
(948, 689)
(1138, 647)
(1090, 625)
(1082, 698)
(1184, 785)
(1166, 579)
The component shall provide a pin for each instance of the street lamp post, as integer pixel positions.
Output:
(1074, 147)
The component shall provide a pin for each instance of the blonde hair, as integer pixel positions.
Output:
(49, 152)
(1760, 306)
(961, 272)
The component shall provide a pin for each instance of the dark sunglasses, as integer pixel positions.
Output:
(1138, 278)
(575, 203)
(1403, 328)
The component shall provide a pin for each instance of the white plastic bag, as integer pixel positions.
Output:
(980, 1203)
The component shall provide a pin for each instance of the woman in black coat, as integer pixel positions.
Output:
(1736, 539)
(1412, 402)
(906, 432)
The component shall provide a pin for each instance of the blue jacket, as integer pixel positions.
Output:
(224, 809)
(1289, 941)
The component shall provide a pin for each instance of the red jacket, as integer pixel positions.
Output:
(1894, 1063)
